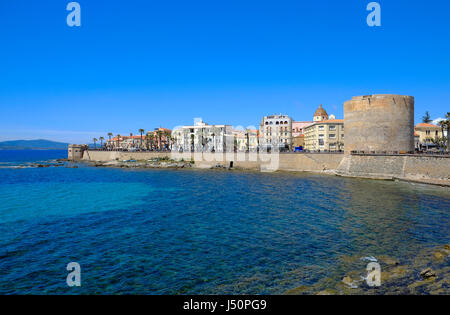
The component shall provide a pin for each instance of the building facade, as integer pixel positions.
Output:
(159, 139)
(325, 135)
(246, 140)
(276, 132)
(202, 137)
(427, 134)
(298, 133)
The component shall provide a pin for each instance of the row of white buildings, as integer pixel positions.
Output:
(276, 132)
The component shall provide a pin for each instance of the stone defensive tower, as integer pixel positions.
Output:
(76, 151)
(379, 123)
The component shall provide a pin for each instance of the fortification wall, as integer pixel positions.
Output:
(269, 162)
(409, 167)
(383, 122)
(105, 156)
(431, 169)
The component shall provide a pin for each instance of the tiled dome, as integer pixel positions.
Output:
(320, 111)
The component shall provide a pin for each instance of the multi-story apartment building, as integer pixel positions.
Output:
(246, 140)
(298, 132)
(326, 133)
(276, 132)
(158, 139)
(202, 137)
(427, 133)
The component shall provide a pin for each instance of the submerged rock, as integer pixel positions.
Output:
(427, 273)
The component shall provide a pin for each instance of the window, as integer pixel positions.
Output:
(332, 135)
(321, 127)
(332, 127)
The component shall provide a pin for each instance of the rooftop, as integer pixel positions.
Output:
(320, 111)
(425, 125)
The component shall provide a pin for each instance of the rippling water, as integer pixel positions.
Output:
(192, 231)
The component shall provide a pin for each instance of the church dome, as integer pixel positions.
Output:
(320, 112)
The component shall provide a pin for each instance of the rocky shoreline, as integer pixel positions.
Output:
(426, 273)
(151, 163)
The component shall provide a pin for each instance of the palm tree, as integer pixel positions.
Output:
(147, 140)
(442, 124)
(159, 134)
(447, 123)
(426, 119)
(110, 134)
(247, 133)
(118, 141)
(101, 141)
(167, 137)
(95, 144)
(152, 138)
(172, 140)
(141, 131)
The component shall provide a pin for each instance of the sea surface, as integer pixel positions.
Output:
(199, 232)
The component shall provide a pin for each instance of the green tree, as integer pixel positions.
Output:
(95, 143)
(118, 141)
(147, 140)
(426, 119)
(141, 131)
(447, 124)
(101, 141)
(167, 138)
(152, 140)
(159, 134)
(110, 134)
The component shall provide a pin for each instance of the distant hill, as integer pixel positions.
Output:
(39, 144)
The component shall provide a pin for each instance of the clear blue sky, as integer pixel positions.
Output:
(144, 64)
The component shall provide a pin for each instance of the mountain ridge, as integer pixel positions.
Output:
(37, 144)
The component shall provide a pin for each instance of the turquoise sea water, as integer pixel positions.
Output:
(195, 232)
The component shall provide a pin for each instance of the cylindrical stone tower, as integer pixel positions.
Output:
(379, 123)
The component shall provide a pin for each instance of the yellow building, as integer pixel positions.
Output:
(246, 140)
(426, 134)
(325, 135)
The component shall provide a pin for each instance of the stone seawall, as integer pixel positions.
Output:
(427, 169)
(265, 162)
(106, 156)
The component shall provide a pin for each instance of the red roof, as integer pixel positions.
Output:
(329, 121)
(427, 125)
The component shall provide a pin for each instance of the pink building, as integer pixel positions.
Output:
(298, 127)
